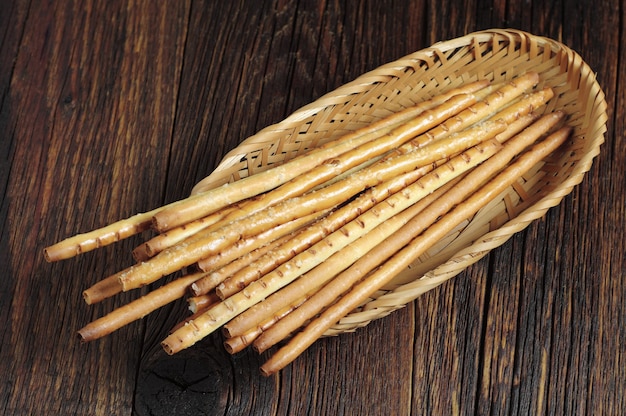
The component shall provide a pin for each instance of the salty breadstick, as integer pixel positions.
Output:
(138, 308)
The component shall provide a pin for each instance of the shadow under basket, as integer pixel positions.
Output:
(497, 55)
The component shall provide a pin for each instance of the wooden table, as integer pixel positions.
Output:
(109, 108)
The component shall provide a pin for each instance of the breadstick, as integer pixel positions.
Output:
(138, 308)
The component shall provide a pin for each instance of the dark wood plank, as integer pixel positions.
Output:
(90, 105)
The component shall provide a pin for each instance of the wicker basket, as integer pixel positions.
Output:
(497, 55)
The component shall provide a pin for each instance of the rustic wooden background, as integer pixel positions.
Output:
(108, 108)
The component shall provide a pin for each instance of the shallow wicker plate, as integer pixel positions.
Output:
(497, 55)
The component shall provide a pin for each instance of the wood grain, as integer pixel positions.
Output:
(111, 108)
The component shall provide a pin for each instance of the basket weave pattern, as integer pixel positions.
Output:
(497, 55)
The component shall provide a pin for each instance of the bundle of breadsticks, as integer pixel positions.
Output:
(280, 256)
